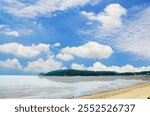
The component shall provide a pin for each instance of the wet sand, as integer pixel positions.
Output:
(141, 91)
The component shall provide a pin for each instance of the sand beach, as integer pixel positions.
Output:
(140, 91)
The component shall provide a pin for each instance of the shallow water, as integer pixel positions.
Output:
(63, 87)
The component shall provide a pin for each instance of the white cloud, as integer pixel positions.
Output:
(65, 57)
(94, 2)
(5, 29)
(24, 32)
(20, 50)
(37, 25)
(78, 66)
(12, 33)
(8, 31)
(101, 67)
(134, 37)
(2, 26)
(92, 50)
(41, 7)
(43, 66)
(56, 45)
(110, 18)
(11, 63)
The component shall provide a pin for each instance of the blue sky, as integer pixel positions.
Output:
(101, 35)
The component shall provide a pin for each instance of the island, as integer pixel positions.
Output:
(72, 72)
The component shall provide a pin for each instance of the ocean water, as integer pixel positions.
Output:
(29, 87)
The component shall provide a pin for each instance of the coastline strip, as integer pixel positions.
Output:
(140, 91)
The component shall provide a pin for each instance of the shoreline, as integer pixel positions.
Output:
(139, 91)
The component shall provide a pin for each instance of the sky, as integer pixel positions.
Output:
(38, 36)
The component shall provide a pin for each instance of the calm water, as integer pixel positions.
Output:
(63, 87)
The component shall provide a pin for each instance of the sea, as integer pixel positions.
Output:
(39, 87)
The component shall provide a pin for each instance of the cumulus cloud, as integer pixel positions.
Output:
(65, 57)
(9, 31)
(41, 7)
(101, 67)
(22, 51)
(91, 50)
(78, 66)
(56, 45)
(6, 30)
(12, 33)
(110, 18)
(43, 66)
(11, 63)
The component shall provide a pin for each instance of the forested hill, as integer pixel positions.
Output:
(71, 72)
